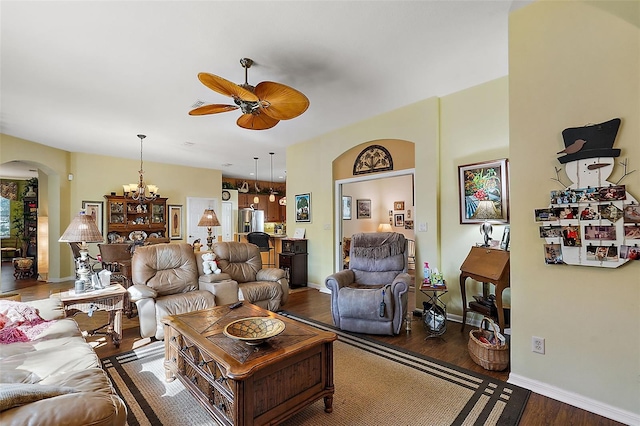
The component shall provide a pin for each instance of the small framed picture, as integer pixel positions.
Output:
(398, 220)
(398, 205)
(94, 209)
(363, 209)
(303, 208)
(175, 221)
(408, 224)
(346, 207)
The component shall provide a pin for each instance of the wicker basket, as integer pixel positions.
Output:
(490, 357)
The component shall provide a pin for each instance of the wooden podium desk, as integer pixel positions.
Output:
(486, 265)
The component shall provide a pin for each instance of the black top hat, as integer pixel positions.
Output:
(590, 141)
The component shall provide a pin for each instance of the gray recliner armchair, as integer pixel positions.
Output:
(377, 273)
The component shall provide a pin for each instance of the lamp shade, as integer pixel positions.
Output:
(83, 229)
(384, 227)
(209, 218)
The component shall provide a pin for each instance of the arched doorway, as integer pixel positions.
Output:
(47, 227)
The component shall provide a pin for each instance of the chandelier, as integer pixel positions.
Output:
(139, 192)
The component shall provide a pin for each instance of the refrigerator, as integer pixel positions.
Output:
(250, 220)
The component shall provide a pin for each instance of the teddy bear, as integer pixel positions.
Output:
(209, 264)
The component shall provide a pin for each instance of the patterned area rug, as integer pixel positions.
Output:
(374, 384)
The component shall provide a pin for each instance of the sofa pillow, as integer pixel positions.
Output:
(16, 394)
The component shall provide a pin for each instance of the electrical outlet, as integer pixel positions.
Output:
(537, 344)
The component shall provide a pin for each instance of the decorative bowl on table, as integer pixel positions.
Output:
(254, 330)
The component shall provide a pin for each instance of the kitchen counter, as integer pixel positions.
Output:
(275, 243)
(239, 235)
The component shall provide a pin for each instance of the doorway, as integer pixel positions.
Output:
(391, 197)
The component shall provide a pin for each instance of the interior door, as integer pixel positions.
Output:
(226, 220)
(195, 208)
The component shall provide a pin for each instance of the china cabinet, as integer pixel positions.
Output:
(131, 220)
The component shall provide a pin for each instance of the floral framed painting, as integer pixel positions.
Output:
(484, 192)
(303, 208)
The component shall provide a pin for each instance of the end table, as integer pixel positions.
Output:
(435, 316)
(110, 299)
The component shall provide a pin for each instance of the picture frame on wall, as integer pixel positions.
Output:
(398, 205)
(398, 220)
(363, 209)
(484, 192)
(94, 209)
(175, 221)
(303, 208)
(346, 207)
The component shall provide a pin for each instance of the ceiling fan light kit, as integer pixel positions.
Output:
(262, 106)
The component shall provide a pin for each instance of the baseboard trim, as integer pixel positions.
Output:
(60, 280)
(580, 401)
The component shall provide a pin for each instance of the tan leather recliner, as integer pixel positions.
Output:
(165, 282)
(267, 288)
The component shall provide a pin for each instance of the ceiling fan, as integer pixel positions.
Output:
(262, 106)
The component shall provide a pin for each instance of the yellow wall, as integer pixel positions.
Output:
(474, 128)
(309, 170)
(94, 177)
(572, 64)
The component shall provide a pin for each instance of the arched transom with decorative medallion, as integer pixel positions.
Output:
(372, 159)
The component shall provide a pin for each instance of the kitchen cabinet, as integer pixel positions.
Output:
(129, 219)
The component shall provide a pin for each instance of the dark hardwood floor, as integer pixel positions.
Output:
(310, 303)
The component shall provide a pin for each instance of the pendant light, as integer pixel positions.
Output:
(272, 197)
(256, 200)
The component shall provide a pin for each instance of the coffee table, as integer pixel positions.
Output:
(240, 384)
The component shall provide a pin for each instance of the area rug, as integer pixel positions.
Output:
(374, 384)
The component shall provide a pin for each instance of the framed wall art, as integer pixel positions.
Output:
(303, 208)
(94, 209)
(398, 220)
(363, 209)
(398, 205)
(175, 221)
(346, 207)
(484, 192)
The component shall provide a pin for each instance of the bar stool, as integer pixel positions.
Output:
(261, 239)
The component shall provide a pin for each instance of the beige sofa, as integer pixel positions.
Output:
(169, 280)
(60, 373)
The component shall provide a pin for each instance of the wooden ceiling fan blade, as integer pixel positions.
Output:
(226, 87)
(281, 102)
(256, 121)
(212, 109)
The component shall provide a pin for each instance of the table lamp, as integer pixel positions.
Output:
(384, 227)
(209, 219)
(82, 230)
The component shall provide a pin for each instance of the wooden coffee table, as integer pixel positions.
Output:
(241, 384)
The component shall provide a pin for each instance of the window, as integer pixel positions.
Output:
(5, 218)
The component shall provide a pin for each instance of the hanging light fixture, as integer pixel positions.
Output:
(256, 200)
(272, 196)
(139, 192)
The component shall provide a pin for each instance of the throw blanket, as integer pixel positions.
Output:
(377, 245)
(20, 322)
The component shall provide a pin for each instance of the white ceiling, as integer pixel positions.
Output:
(89, 76)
